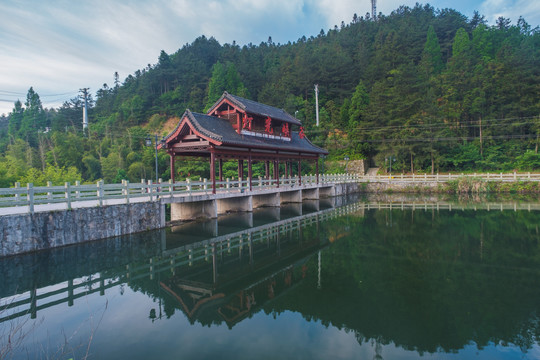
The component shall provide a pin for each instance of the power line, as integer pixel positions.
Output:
(444, 139)
(534, 120)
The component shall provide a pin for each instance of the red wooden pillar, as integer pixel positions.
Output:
(172, 166)
(290, 168)
(241, 169)
(299, 172)
(220, 169)
(317, 168)
(276, 167)
(213, 170)
(250, 173)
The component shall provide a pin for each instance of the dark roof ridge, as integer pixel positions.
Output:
(255, 107)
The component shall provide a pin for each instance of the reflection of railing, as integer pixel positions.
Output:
(70, 196)
(451, 206)
(171, 260)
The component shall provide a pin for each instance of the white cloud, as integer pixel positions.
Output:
(337, 11)
(511, 9)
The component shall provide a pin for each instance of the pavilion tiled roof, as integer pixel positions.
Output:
(256, 108)
(221, 130)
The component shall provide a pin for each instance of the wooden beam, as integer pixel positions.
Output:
(190, 144)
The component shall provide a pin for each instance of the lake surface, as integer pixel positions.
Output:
(357, 278)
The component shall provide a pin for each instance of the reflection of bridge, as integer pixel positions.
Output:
(246, 246)
(249, 243)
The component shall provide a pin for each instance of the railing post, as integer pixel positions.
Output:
(126, 190)
(100, 192)
(49, 193)
(529, 175)
(150, 190)
(228, 183)
(17, 195)
(437, 176)
(67, 188)
(515, 176)
(30, 197)
(413, 177)
(143, 186)
(260, 181)
(188, 186)
(205, 185)
(171, 187)
(501, 177)
(77, 191)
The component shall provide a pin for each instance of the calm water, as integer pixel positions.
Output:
(346, 279)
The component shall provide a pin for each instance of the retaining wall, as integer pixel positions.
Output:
(397, 186)
(31, 232)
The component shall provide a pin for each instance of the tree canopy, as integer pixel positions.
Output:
(434, 89)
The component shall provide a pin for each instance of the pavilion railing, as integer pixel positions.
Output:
(25, 199)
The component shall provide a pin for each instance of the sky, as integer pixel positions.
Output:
(60, 46)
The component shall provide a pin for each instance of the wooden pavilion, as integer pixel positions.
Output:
(240, 129)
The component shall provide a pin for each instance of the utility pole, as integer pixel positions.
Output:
(374, 9)
(85, 108)
(317, 102)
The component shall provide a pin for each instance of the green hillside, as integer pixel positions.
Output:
(430, 88)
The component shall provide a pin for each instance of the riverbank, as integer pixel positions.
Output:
(462, 185)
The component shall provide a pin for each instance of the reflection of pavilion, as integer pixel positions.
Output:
(243, 275)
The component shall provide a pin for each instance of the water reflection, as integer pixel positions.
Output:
(426, 275)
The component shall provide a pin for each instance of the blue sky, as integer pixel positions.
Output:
(60, 46)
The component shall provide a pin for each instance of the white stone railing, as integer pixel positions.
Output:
(25, 199)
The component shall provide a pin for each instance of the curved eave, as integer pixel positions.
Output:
(190, 120)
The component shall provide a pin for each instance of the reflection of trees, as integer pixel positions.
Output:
(427, 283)
(423, 280)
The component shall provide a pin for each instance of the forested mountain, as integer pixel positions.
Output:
(430, 88)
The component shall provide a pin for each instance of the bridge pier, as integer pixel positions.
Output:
(263, 200)
(193, 210)
(310, 194)
(326, 192)
(237, 204)
(294, 196)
